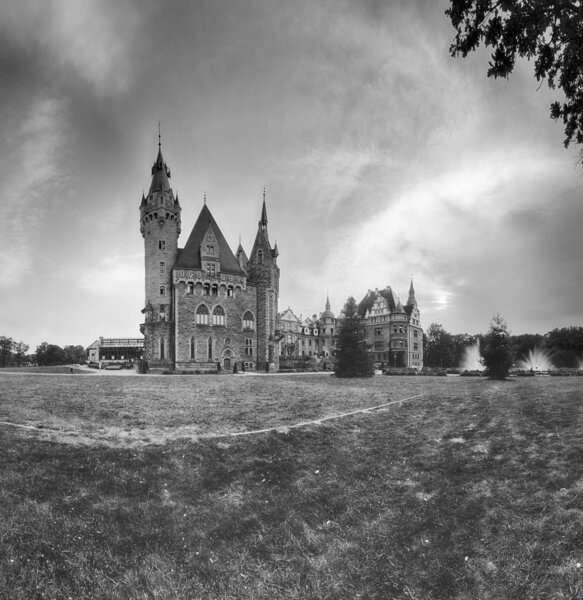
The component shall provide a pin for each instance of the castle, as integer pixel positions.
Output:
(205, 307)
(208, 309)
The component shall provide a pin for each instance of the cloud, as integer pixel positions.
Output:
(118, 275)
(31, 185)
(92, 37)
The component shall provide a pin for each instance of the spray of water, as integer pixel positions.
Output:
(472, 360)
(537, 359)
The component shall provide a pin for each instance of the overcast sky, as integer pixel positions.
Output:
(382, 156)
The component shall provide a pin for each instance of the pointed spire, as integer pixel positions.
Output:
(327, 301)
(160, 171)
(411, 299)
(263, 221)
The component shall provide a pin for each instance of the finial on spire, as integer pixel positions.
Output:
(159, 135)
(263, 193)
(205, 198)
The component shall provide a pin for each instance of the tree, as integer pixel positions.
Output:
(6, 348)
(566, 346)
(50, 354)
(497, 350)
(352, 357)
(550, 31)
(75, 354)
(20, 350)
(438, 349)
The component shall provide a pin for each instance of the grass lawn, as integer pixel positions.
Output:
(132, 487)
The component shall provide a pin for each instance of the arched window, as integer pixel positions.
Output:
(190, 287)
(259, 257)
(229, 291)
(215, 289)
(192, 348)
(206, 289)
(218, 315)
(202, 315)
(248, 320)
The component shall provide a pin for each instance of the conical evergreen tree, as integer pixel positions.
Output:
(496, 349)
(352, 357)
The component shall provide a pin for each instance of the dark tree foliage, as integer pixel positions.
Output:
(6, 348)
(20, 350)
(352, 356)
(75, 354)
(566, 346)
(50, 354)
(496, 349)
(443, 349)
(548, 31)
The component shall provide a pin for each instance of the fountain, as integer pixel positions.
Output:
(472, 360)
(537, 360)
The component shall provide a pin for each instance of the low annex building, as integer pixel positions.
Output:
(116, 350)
(206, 308)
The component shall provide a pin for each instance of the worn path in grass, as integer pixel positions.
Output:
(82, 411)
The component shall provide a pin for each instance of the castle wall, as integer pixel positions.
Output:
(227, 341)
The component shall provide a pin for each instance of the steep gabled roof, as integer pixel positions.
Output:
(288, 315)
(367, 302)
(189, 258)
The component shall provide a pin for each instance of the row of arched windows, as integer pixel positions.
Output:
(203, 316)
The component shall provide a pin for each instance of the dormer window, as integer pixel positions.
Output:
(210, 249)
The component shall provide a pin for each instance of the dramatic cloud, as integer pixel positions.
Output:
(382, 156)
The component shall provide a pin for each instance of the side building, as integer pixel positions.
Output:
(394, 333)
(310, 337)
(205, 307)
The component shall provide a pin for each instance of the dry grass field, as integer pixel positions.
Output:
(167, 487)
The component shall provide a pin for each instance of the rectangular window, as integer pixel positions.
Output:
(378, 331)
(248, 346)
(161, 245)
(162, 267)
(415, 346)
(191, 288)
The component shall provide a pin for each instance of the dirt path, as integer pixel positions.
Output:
(130, 437)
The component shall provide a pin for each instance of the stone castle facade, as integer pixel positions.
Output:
(205, 307)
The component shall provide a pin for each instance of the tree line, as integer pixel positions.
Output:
(16, 354)
(446, 350)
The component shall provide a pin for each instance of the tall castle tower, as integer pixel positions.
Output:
(160, 228)
(264, 274)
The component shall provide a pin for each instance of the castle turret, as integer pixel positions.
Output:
(264, 274)
(160, 228)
